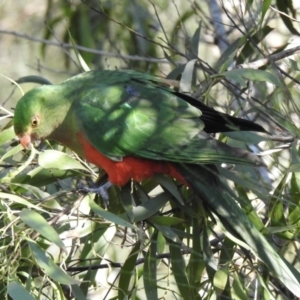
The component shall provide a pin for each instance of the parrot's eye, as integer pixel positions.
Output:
(34, 122)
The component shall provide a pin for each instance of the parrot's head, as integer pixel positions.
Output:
(32, 118)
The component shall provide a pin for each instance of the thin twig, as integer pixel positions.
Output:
(271, 58)
(86, 49)
(169, 47)
(284, 14)
(160, 23)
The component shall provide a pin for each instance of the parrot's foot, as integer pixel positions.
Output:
(100, 190)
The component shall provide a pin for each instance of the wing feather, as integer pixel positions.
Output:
(136, 116)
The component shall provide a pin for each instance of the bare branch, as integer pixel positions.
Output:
(264, 61)
(284, 14)
(85, 49)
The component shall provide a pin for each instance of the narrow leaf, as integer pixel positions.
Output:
(195, 42)
(39, 224)
(127, 271)
(168, 233)
(17, 291)
(7, 135)
(150, 271)
(170, 186)
(109, 216)
(49, 267)
(12, 152)
(239, 75)
(50, 159)
(187, 76)
(179, 270)
(150, 207)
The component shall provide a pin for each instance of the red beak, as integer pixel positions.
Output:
(25, 140)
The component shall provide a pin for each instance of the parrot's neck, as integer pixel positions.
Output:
(66, 134)
(65, 126)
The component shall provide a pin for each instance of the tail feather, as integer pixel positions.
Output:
(219, 122)
(206, 183)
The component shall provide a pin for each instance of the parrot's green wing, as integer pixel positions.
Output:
(132, 114)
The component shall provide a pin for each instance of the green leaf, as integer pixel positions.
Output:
(41, 177)
(39, 224)
(251, 44)
(150, 207)
(242, 75)
(20, 188)
(12, 152)
(17, 291)
(285, 6)
(77, 292)
(109, 216)
(175, 73)
(238, 289)
(165, 221)
(53, 159)
(220, 280)
(170, 186)
(150, 270)
(195, 43)
(98, 242)
(267, 293)
(17, 199)
(229, 54)
(294, 64)
(277, 214)
(127, 272)
(179, 271)
(126, 201)
(7, 135)
(187, 76)
(196, 265)
(265, 7)
(49, 267)
(20, 169)
(168, 233)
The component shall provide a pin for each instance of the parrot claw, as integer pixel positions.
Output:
(100, 190)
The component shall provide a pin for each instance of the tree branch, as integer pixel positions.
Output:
(264, 61)
(85, 49)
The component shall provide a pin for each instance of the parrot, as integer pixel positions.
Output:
(134, 125)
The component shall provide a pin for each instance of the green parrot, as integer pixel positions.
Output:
(135, 125)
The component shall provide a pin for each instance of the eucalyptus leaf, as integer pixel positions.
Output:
(53, 159)
(178, 266)
(149, 208)
(127, 271)
(17, 291)
(12, 152)
(165, 221)
(168, 233)
(40, 225)
(49, 267)
(109, 216)
(7, 135)
(242, 75)
(187, 76)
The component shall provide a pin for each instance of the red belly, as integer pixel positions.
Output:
(120, 172)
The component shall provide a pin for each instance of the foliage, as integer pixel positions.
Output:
(155, 239)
